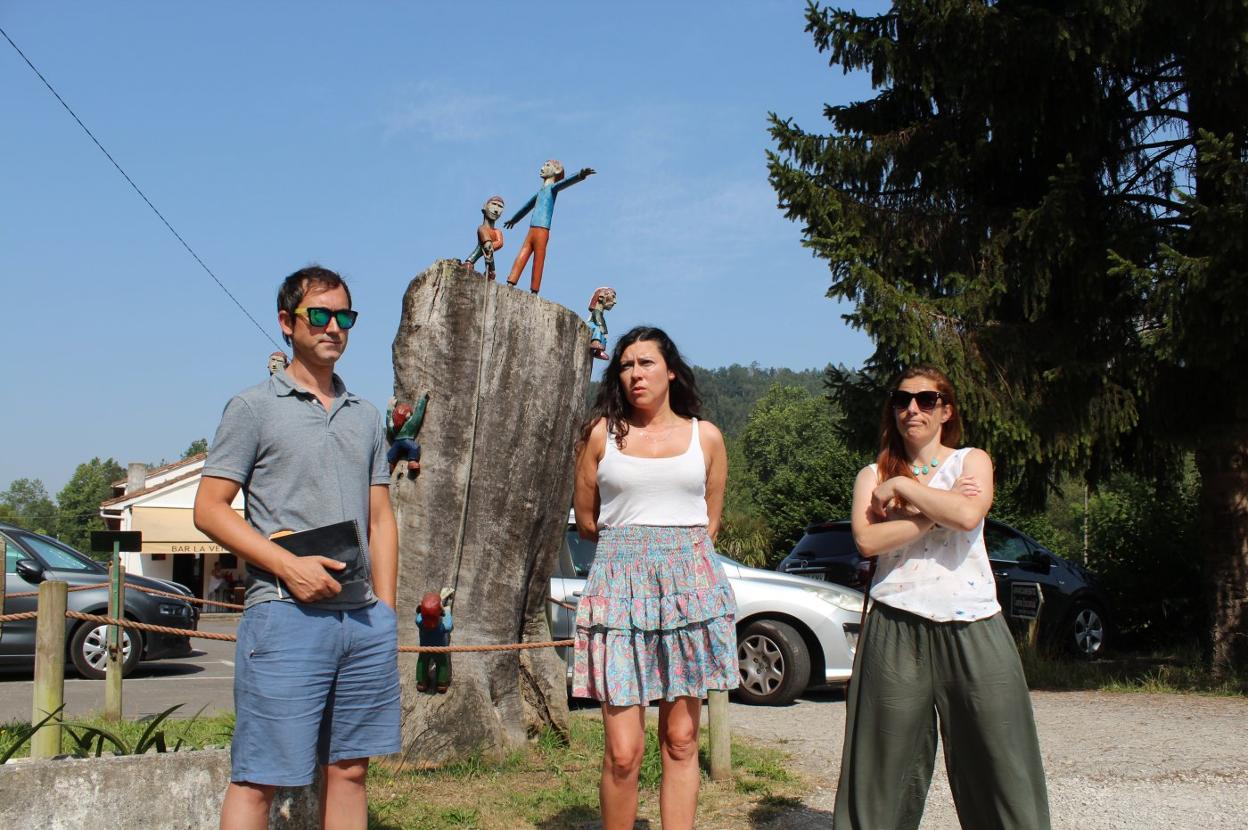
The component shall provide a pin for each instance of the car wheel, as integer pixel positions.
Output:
(774, 664)
(88, 649)
(1087, 631)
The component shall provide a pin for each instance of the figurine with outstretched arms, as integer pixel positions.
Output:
(542, 204)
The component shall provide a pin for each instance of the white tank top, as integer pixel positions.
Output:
(943, 575)
(663, 492)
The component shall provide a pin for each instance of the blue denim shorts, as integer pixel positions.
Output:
(312, 687)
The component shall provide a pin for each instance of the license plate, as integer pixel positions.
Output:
(819, 575)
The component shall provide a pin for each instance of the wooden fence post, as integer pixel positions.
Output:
(49, 668)
(116, 657)
(721, 735)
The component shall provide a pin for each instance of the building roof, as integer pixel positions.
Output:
(155, 471)
(120, 501)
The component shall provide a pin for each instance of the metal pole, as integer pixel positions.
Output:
(116, 657)
(721, 735)
(49, 668)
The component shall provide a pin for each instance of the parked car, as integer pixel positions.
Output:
(792, 633)
(1074, 614)
(31, 558)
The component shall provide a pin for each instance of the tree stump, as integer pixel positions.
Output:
(507, 374)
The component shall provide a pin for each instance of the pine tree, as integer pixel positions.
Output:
(1049, 201)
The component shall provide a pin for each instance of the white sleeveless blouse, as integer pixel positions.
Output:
(661, 492)
(944, 575)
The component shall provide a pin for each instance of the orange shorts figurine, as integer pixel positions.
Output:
(543, 206)
(489, 238)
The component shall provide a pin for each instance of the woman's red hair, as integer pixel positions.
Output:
(892, 460)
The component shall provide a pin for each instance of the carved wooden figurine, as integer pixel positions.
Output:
(402, 425)
(489, 238)
(433, 620)
(278, 362)
(543, 206)
(602, 301)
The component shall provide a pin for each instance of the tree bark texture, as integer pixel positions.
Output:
(1222, 459)
(506, 372)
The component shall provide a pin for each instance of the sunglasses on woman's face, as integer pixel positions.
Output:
(318, 316)
(927, 400)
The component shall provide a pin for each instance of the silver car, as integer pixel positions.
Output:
(792, 632)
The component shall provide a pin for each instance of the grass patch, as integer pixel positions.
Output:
(552, 784)
(194, 733)
(1181, 671)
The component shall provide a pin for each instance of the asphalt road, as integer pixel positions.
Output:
(206, 679)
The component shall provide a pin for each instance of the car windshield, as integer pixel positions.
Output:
(832, 541)
(56, 557)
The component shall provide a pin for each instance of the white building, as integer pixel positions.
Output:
(159, 503)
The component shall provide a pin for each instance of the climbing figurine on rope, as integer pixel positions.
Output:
(433, 621)
(402, 425)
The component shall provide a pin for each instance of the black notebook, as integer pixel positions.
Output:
(341, 542)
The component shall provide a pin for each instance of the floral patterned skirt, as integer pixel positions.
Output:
(655, 620)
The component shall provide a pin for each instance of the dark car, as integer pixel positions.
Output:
(1073, 616)
(31, 558)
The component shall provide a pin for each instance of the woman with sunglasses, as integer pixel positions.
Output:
(936, 651)
(655, 620)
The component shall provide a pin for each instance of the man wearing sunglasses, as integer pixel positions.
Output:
(316, 670)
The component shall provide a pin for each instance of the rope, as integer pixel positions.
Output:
(155, 629)
(500, 647)
(199, 601)
(142, 195)
(566, 605)
(472, 438)
(70, 590)
(184, 597)
(230, 638)
(145, 590)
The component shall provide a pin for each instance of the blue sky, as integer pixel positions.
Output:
(365, 137)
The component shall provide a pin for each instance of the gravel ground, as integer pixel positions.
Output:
(1113, 761)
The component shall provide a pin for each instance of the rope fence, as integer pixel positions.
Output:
(198, 601)
(230, 638)
(144, 589)
(49, 689)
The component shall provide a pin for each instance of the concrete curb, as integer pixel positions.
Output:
(164, 791)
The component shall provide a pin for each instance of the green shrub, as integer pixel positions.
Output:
(1140, 538)
(797, 466)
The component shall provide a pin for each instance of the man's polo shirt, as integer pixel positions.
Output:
(301, 467)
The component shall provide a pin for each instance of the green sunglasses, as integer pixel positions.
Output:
(318, 316)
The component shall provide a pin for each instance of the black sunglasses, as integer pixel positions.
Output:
(927, 400)
(319, 316)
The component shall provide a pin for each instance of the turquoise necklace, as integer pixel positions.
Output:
(923, 470)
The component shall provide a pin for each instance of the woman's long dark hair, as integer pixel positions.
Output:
(613, 404)
(892, 459)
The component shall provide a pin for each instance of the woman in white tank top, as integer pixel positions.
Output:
(656, 618)
(936, 652)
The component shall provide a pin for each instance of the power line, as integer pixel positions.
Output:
(142, 195)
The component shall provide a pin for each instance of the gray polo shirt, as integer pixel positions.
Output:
(302, 467)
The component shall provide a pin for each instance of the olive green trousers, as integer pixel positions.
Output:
(913, 676)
